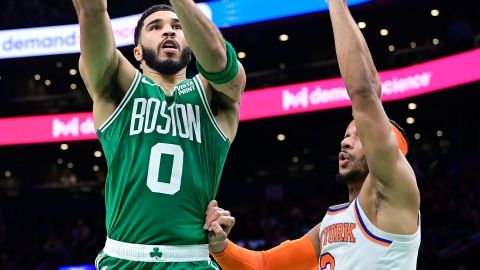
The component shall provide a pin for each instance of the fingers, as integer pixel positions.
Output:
(218, 222)
(222, 224)
(212, 204)
(214, 215)
(216, 234)
(216, 228)
(211, 208)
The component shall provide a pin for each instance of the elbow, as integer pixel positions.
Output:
(365, 89)
(217, 61)
(220, 62)
(361, 91)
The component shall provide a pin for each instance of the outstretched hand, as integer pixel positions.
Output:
(219, 223)
(90, 6)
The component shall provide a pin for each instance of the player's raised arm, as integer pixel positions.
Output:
(217, 60)
(389, 170)
(299, 254)
(100, 62)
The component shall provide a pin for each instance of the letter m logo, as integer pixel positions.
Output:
(295, 100)
(65, 129)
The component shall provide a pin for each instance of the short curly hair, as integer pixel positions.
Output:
(145, 14)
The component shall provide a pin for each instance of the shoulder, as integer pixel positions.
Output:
(335, 209)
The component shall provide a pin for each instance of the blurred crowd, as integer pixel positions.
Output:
(461, 31)
(63, 224)
(53, 214)
(36, 13)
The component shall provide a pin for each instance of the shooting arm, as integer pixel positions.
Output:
(208, 46)
(100, 62)
(388, 167)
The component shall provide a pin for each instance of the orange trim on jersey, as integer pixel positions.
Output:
(363, 228)
(330, 212)
(337, 209)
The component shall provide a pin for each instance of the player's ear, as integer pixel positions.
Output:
(138, 53)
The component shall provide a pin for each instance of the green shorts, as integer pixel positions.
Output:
(105, 262)
(118, 255)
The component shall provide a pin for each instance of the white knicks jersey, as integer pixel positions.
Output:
(349, 241)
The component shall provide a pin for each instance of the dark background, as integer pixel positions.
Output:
(51, 201)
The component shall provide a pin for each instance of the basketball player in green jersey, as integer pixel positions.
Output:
(165, 137)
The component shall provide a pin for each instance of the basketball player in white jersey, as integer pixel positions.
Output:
(379, 228)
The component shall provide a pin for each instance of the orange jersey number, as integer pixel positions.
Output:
(327, 260)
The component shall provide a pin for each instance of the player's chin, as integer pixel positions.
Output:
(163, 56)
(343, 170)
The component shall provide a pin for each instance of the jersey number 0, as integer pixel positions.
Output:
(155, 165)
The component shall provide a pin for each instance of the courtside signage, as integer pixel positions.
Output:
(54, 40)
(240, 12)
(47, 128)
(328, 94)
(65, 39)
(269, 102)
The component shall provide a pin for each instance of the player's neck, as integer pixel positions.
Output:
(354, 189)
(166, 81)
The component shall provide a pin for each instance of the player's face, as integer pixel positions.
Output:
(352, 164)
(163, 45)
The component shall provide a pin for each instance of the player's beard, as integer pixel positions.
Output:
(169, 66)
(358, 173)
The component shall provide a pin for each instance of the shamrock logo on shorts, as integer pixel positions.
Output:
(156, 253)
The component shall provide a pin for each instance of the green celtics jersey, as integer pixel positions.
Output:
(165, 156)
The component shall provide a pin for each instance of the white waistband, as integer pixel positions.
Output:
(156, 253)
